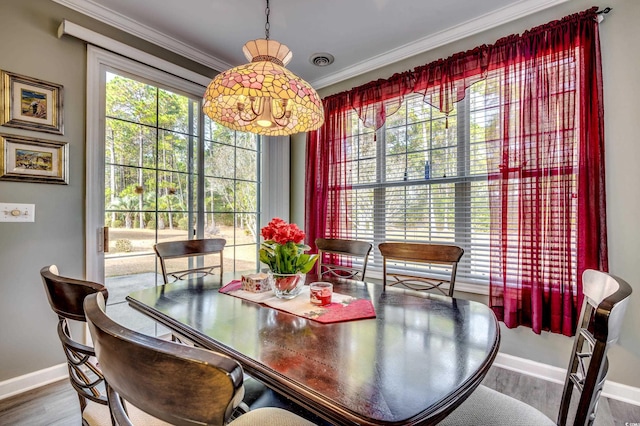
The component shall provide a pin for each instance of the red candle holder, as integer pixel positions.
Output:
(320, 293)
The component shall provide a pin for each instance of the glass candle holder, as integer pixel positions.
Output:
(320, 293)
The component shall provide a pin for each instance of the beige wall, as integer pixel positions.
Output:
(30, 47)
(28, 340)
(620, 38)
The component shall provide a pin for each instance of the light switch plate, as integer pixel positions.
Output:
(14, 212)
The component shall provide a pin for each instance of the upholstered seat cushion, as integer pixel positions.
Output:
(488, 407)
(270, 416)
(98, 415)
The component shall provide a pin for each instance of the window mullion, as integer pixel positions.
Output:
(379, 204)
(463, 188)
(200, 176)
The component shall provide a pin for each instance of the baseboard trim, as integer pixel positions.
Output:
(613, 390)
(26, 382)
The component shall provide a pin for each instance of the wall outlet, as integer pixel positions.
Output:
(13, 212)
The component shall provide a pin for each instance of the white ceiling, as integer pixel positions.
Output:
(361, 34)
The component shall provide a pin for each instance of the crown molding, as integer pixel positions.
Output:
(123, 23)
(466, 29)
(450, 35)
(99, 40)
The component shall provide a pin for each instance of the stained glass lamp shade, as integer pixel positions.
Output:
(263, 97)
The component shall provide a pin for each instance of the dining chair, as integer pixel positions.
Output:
(66, 297)
(190, 258)
(437, 259)
(154, 381)
(605, 300)
(339, 251)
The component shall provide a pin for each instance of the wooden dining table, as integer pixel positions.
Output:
(414, 363)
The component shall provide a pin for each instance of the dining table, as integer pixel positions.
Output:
(417, 360)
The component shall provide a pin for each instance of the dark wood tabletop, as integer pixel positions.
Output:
(413, 364)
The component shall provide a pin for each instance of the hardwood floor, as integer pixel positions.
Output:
(546, 396)
(57, 403)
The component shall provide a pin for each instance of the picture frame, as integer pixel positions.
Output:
(29, 103)
(33, 160)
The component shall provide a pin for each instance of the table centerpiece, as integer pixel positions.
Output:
(283, 251)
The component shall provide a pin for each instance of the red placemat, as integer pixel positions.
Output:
(342, 308)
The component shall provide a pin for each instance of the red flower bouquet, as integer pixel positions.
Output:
(283, 248)
(283, 251)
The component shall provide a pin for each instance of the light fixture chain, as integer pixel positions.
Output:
(267, 26)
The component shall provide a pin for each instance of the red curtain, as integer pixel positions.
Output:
(546, 168)
(546, 181)
(325, 205)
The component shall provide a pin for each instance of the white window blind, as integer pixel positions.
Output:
(422, 177)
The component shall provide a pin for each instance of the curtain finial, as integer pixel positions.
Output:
(601, 14)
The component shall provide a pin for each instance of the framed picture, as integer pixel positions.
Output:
(33, 160)
(28, 103)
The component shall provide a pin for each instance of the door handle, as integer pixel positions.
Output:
(105, 233)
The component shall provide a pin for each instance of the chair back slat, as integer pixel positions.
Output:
(438, 254)
(189, 249)
(417, 252)
(66, 295)
(342, 253)
(609, 296)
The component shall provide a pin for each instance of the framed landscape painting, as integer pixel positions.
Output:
(33, 160)
(32, 104)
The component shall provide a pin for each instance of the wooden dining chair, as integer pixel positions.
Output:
(154, 381)
(66, 297)
(437, 260)
(605, 300)
(190, 258)
(342, 255)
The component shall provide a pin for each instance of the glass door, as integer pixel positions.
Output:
(158, 170)
(161, 184)
(151, 185)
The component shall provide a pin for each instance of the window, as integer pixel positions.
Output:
(534, 115)
(423, 177)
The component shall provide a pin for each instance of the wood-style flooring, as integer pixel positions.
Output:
(546, 396)
(57, 404)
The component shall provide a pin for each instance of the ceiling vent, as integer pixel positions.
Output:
(321, 59)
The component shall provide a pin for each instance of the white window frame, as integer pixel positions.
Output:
(464, 142)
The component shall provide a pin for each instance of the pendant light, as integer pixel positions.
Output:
(264, 97)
